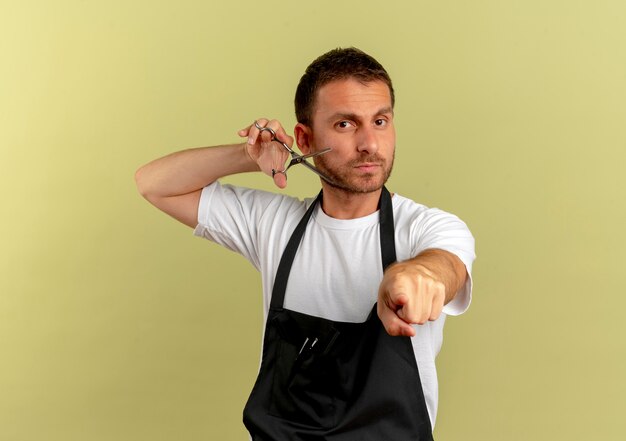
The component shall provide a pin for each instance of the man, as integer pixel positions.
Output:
(350, 336)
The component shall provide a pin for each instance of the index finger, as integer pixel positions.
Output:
(393, 324)
(251, 131)
(280, 133)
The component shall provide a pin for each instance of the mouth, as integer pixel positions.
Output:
(367, 167)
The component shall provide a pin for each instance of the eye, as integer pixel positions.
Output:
(380, 122)
(343, 124)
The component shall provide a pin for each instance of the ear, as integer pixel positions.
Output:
(304, 137)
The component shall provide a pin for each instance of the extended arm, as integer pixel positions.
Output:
(415, 291)
(174, 182)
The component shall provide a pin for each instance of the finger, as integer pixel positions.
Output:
(414, 314)
(278, 157)
(280, 132)
(397, 295)
(253, 132)
(437, 308)
(421, 293)
(244, 132)
(401, 302)
(432, 296)
(275, 126)
(280, 179)
(393, 324)
(424, 314)
(422, 303)
(270, 155)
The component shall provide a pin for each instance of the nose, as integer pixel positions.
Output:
(367, 140)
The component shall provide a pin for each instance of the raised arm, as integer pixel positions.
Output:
(415, 291)
(174, 182)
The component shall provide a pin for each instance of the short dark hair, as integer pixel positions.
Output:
(338, 64)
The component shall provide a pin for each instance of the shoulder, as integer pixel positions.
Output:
(229, 194)
(427, 227)
(248, 203)
(406, 210)
(406, 207)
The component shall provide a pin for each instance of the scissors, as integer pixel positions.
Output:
(295, 157)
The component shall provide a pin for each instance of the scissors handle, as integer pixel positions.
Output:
(274, 138)
(296, 158)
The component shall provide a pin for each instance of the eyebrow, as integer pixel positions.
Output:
(355, 117)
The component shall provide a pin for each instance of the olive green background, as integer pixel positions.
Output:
(117, 324)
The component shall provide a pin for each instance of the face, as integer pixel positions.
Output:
(356, 121)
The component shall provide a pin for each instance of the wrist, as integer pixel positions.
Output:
(253, 165)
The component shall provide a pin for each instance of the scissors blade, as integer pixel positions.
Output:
(311, 155)
(301, 159)
(317, 172)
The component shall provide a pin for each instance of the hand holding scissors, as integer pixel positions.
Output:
(295, 157)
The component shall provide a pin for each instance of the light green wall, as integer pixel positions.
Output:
(116, 324)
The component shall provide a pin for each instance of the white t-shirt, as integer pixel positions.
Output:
(338, 268)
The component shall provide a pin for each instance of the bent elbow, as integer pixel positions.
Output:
(141, 182)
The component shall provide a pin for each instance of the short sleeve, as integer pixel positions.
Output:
(229, 215)
(435, 228)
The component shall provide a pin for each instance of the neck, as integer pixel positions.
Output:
(341, 204)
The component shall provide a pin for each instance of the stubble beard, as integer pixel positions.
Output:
(345, 177)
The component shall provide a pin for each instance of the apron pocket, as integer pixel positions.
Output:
(302, 390)
(304, 379)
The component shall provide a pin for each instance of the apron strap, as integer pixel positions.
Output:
(286, 261)
(387, 230)
(387, 244)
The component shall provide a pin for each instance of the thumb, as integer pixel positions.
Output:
(244, 132)
(280, 179)
(399, 299)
